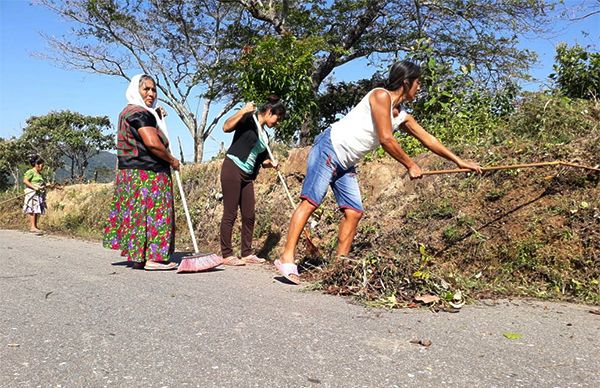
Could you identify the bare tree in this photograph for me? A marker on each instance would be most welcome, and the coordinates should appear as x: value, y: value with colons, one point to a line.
x: 582, y: 10
x: 178, y: 42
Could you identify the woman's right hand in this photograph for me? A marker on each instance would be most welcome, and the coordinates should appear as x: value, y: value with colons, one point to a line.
x: 175, y: 164
x: 470, y: 165
x: 414, y: 172
x: 249, y: 107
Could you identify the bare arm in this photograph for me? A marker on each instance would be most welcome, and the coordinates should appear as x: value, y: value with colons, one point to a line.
x: 429, y: 141
x: 231, y: 122
x: 380, y: 102
x: 152, y: 142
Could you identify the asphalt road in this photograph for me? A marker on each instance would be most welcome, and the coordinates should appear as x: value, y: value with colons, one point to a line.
x: 72, y: 314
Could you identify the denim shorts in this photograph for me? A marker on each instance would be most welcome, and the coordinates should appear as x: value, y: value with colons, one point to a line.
x: 324, y: 170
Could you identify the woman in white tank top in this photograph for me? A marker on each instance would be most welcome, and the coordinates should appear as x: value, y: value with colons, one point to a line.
x: 337, y: 150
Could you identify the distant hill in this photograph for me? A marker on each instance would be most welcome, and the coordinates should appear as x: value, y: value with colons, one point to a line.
x: 103, y: 164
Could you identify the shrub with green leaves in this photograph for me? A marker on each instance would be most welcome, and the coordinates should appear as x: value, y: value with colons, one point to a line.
x: 454, y: 105
x: 553, y: 119
x: 281, y: 65
x: 577, y: 72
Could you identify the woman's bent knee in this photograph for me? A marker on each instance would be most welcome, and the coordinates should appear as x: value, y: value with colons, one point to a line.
x: 353, y: 214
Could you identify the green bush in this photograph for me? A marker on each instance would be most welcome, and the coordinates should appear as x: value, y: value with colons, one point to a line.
x: 552, y: 119
x: 577, y: 72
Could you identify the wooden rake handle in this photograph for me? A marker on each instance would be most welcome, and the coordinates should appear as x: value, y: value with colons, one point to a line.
x: 311, y: 246
x: 511, y: 167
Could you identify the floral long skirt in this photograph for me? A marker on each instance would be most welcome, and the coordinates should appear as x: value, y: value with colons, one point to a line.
x: 141, y: 222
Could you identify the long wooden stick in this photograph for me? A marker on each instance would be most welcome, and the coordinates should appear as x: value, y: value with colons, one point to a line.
x: 51, y: 186
x: 188, y: 218
x: 312, y: 247
x: 511, y: 167
x: 13, y: 198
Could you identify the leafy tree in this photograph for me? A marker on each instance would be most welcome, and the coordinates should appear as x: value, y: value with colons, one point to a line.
x: 480, y: 33
x: 577, y: 72
x: 179, y: 42
x: 13, y: 154
x: 337, y: 99
x: 281, y: 66
x: 197, y: 42
x: 68, y: 134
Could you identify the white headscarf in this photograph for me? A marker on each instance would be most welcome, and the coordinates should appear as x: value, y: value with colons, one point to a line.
x: 134, y: 98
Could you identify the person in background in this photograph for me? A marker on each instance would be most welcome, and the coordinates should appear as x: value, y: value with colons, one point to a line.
x: 141, y: 222
x: 35, y: 193
x: 337, y: 150
x: 241, y: 165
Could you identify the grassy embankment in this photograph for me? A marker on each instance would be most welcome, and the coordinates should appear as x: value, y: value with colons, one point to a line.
x: 530, y: 232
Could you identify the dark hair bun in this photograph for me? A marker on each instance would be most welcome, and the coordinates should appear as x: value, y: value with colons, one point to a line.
x: 273, y: 99
x: 35, y: 159
x: 275, y: 105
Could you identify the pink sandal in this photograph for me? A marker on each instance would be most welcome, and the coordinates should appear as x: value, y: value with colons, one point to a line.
x: 287, y: 269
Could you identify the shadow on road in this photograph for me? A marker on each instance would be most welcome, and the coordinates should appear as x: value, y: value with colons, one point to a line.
x: 176, y: 257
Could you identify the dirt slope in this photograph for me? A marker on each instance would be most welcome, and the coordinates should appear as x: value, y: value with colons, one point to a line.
x: 530, y: 232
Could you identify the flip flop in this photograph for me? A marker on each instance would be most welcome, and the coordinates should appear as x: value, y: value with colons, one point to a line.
x: 253, y: 259
x: 138, y: 265
x: 233, y: 261
x: 287, y: 269
x: 156, y: 266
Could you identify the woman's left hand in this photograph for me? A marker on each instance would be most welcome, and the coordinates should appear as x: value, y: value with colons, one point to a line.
x: 175, y: 164
x: 270, y: 164
x: 470, y: 165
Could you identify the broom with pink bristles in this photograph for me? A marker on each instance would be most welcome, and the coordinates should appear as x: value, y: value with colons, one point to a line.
x: 196, y: 262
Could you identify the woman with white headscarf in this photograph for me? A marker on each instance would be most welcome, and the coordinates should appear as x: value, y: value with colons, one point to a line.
x: 141, y: 221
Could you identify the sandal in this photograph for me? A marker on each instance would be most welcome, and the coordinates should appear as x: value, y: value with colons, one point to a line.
x: 156, y: 266
x: 253, y: 259
x: 233, y: 261
x: 138, y: 265
x: 288, y: 270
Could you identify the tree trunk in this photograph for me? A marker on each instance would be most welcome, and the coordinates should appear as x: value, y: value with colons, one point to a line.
x: 305, y: 137
x: 72, y: 169
x: 83, y: 167
x: 199, y: 136
x: 181, y: 151
x: 15, y: 175
x: 198, y: 149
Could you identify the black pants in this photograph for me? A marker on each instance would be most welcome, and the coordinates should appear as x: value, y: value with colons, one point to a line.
x: 238, y: 191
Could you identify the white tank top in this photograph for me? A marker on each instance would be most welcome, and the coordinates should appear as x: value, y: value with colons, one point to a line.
x: 354, y: 135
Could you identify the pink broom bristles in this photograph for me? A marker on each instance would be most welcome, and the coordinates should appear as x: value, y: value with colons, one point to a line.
x: 199, y: 263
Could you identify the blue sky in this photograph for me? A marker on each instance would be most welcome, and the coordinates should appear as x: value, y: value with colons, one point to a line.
x: 31, y: 86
